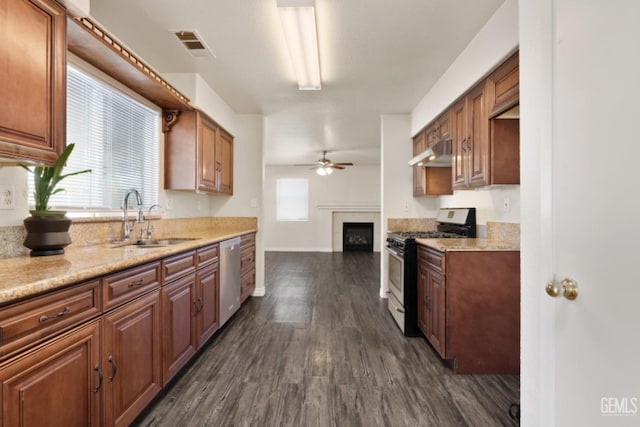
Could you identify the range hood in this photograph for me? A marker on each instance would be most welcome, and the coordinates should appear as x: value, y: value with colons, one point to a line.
x: 437, y: 156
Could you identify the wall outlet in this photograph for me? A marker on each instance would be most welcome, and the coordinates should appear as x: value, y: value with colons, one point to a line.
x: 405, y: 207
x: 506, y: 204
x: 7, y: 197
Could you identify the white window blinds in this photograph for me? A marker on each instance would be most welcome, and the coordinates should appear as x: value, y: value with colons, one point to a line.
x: 292, y: 199
x: 116, y: 137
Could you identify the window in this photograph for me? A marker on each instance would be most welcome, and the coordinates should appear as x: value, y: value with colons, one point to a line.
x: 292, y: 199
x: 116, y: 136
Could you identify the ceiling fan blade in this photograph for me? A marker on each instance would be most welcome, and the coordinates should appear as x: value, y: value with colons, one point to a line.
x: 336, y: 167
x: 343, y: 164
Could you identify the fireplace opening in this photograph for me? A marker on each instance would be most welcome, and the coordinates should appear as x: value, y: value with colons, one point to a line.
x: 357, y: 236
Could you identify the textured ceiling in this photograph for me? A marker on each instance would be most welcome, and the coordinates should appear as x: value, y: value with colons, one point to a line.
x: 377, y: 57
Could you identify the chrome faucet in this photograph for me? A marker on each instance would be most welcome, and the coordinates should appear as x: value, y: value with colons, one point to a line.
x: 149, y: 226
x: 126, y: 228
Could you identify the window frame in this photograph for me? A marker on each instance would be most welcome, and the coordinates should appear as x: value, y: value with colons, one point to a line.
x: 278, y: 201
x: 103, y: 78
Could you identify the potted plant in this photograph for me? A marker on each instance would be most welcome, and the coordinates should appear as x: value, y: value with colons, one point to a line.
x: 48, y: 230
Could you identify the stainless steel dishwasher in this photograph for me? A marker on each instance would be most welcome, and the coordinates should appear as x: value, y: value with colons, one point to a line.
x: 229, y: 278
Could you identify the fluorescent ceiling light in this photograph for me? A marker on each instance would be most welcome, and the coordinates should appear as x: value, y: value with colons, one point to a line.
x: 298, y: 19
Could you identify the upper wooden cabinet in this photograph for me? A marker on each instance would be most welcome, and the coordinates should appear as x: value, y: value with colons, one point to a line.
x: 198, y: 155
x: 33, y: 77
x: 432, y: 181
x: 485, y: 148
x: 504, y: 86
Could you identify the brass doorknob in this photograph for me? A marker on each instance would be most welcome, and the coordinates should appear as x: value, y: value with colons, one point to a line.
x: 568, y: 287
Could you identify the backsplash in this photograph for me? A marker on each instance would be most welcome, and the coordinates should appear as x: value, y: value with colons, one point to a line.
x: 92, y: 231
x: 493, y: 230
x: 411, y: 224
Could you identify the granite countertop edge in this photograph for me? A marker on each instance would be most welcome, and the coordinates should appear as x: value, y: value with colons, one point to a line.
x: 470, y: 245
x: 26, y: 276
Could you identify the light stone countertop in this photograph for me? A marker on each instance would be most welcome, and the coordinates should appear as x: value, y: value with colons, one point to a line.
x: 471, y: 245
x: 26, y: 276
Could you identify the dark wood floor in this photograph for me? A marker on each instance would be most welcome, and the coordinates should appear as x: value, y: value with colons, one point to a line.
x: 320, y: 349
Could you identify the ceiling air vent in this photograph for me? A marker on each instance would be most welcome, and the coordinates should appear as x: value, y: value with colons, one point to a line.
x: 192, y: 41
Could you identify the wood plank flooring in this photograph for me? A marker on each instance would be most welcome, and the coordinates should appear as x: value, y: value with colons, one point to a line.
x: 320, y: 349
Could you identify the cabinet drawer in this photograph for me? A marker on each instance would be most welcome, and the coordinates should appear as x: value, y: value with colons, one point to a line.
x: 247, y: 240
x: 247, y: 259
x: 178, y: 265
x: 247, y: 284
x: 435, y: 259
x: 128, y: 284
x: 208, y: 255
x: 29, y: 322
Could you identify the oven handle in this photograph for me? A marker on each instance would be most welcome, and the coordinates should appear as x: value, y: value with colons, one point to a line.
x: 394, y: 253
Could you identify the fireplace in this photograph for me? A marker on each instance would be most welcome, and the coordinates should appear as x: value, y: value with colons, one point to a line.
x: 357, y: 236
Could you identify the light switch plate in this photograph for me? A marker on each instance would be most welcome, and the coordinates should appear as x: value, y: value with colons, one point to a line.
x: 7, y: 197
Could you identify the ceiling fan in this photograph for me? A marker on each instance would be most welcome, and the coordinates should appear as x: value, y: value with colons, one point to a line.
x: 324, y: 166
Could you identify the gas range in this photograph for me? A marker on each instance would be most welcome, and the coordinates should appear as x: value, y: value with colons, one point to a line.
x: 402, y: 262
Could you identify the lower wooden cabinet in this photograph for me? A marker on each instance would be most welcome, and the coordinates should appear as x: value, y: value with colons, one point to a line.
x: 247, y: 265
x: 208, y: 303
x: 179, y: 308
x: 131, y: 359
x: 431, y: 299
x: 469, y: 308
x: 56, y: 384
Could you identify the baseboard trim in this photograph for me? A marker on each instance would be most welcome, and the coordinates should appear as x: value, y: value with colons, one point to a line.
x: 258, y: 292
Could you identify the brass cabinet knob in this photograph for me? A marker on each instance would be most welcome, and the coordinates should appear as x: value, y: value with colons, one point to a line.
x: 568, y: 287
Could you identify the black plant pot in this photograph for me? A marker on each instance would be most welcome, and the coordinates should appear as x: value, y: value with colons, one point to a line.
x: 47, y: 234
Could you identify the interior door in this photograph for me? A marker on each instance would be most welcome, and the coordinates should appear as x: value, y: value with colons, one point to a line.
x: 579, y: 91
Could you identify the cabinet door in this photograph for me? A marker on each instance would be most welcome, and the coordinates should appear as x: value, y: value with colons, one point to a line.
x: 224, y: 163
x: 459, y: 138
x: 178, y: 313
x: 131, y: 358
x: 419, y: 145
x: 436, y: 321
x: 208, y: 290
x: 57, y: 384
x: 207, y: 170
x: 33, y: 74
x: 478, y: 131
x: 423, y: 302
x: 504, y: 86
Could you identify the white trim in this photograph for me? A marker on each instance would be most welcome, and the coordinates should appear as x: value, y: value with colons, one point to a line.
x: 259, y: 292
x: 350, y: 206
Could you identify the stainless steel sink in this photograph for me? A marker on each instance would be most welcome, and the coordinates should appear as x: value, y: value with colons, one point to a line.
x: 154, y: 243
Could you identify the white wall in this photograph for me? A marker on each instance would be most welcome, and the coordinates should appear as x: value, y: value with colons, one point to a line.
x: 355, y: 185
x: 494, y: 43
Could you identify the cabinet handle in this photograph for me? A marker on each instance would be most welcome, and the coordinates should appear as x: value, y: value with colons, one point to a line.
x: 198, y: 306
x: 136, y: 284
x: 100, y: 378
x: 114, y: 368
x: 64, y: 312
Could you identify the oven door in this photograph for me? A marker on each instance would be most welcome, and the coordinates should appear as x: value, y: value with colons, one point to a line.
x: 396, y: 275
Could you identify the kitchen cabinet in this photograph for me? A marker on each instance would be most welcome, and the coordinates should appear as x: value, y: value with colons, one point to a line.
x: 198, y: 155
x: 419, y: 145
x: 431, y: 181
x: 131, y: 358
x: 224, y: 162
x: 469, y: 308
x: 56, y: 384
x: 431, y: 298
x: 178, y: 314
x: 207, y: 303
x: 247, y: 265
x: 504, y: 86
x: 33, y: 74
x: 470, y: 139
x: 106, y: 347
x: 27, y: 323
x: 189, y: 306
